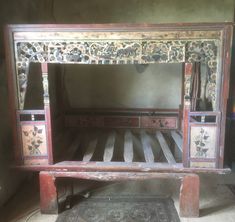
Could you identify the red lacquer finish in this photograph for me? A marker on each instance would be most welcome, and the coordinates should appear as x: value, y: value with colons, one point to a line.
x: 48, y: 193
x: 135, y: 123
x: 189, y: 196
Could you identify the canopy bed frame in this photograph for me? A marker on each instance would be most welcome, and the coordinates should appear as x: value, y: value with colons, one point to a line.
x: 196, y: 136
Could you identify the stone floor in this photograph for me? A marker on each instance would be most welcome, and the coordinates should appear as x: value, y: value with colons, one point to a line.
x: 217, y: 202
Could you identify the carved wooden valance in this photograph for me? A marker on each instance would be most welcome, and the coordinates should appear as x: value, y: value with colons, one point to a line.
x: 63, y: 45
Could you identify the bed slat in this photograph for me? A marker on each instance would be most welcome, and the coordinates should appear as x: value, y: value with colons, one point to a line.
x: 90, y: 150
x: 128, y: 147
x: 165, y: 148
x: 73, y: 147
x: 109, y: 147
x: 178, y: 139
x: 148, y: 153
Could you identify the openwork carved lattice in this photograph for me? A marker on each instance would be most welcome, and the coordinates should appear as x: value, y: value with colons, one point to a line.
x: 116, y: 52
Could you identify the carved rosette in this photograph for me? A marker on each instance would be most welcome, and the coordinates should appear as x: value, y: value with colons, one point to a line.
x: 116, y: 52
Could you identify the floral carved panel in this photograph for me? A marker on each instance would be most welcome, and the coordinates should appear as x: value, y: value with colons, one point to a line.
x: 116, y: 52
x: 203, y: 142
x: 34, y: 140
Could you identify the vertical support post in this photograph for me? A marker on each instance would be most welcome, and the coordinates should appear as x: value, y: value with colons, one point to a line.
x: 13, y: 97
x: 189, y: 196
x: 46, y: 100
x: 188, y: 69
x: 48, y: 193
x: 223, y: 98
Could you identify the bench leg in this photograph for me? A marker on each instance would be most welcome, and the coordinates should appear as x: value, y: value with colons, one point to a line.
x: 48, y: 193
x: 189, y: 196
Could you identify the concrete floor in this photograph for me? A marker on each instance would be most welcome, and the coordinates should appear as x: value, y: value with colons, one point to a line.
x: 217, y: 202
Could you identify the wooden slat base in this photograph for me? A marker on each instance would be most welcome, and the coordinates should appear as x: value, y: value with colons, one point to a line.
x: 122, y: 145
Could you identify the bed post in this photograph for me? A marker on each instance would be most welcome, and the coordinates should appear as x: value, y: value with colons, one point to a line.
x: 186, y: 109
x: 44, y: 67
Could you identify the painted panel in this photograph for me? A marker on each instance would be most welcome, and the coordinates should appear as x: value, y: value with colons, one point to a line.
x: 159, y: 122
x: 34, y: 140
x: 203, y: 142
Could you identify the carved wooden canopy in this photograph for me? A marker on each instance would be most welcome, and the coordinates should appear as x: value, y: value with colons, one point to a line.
x: 117, y: 44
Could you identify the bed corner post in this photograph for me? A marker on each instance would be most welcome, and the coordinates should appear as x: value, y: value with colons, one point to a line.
x: 188, y: 68
x: 46, y: 98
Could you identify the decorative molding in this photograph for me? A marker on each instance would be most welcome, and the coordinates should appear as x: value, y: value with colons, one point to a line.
x: 156, y: 122
x: 116, y: 52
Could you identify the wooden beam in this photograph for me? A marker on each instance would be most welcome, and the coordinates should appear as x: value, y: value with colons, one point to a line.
x: 178, y: 140
x: 148, y: 153
x: 128, y: 147
x: 109, y: 147
x: 120, y: 167
x: 117, y: 176
x: 165, y: 148
x: 90, y: 150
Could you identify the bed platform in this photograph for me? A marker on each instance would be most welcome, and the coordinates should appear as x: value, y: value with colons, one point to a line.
x: 119, y: 143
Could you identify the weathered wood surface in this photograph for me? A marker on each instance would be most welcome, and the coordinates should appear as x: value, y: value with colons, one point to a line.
x: 109, y: 147
x: 178, y: 140
x: 148, y: 153
x: 120, y: 166
x: 189, y: 196
x: 48, y: 193
x: 165, y: 148
x: 116, y: 31
x: 117, y: 176
x: 128, y: 147
x: 188, y: 69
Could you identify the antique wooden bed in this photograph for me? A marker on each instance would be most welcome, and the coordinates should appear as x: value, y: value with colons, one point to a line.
x: 191, y: 138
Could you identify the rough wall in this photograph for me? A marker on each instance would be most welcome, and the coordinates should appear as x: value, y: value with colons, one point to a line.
x: 92, y: 11
x: 122, y: 86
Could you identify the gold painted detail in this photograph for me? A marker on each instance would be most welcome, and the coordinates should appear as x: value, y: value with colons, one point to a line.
x: 116, y: 52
